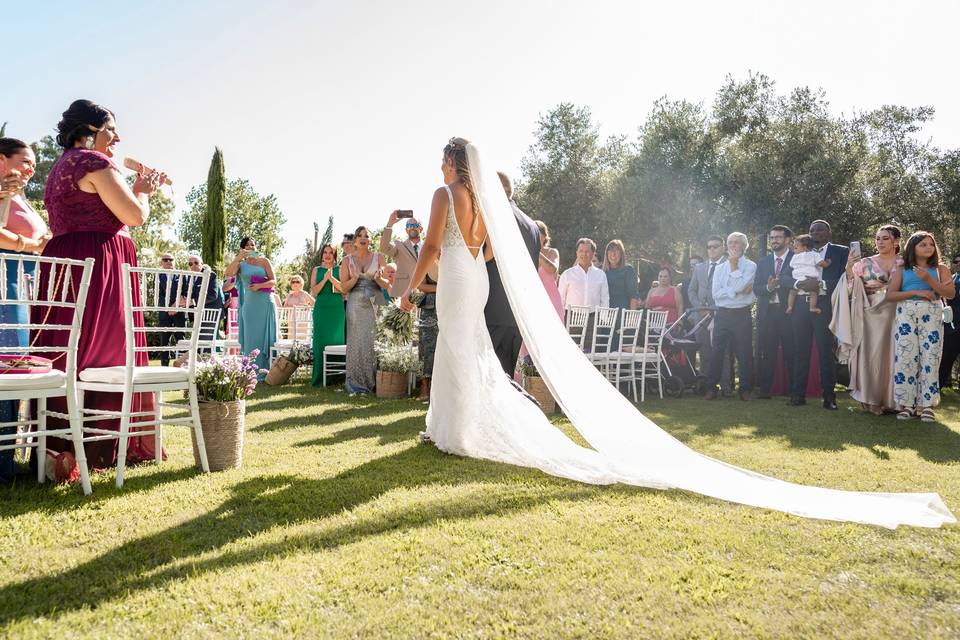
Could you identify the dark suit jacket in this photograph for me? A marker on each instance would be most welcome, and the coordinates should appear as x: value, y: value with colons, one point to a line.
x: 766, y: 267
x: 497, y: 311
x: 837, y: 254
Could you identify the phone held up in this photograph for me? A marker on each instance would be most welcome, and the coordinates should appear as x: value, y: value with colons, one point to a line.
x: 855, y: 247
x: 404, y: 213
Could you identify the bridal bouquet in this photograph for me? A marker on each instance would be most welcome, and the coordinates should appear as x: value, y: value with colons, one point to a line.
x: 395, y: 326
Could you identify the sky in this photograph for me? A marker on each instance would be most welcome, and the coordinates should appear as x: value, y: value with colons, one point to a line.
x: 343, y: 108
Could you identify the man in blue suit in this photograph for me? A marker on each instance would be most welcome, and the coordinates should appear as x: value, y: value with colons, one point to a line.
x: 774, y: 328
x: 808, y: 325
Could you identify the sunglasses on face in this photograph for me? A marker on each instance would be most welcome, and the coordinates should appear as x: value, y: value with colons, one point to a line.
x: 193, y: 264
x: 714, y: 246
x: 166, y: 259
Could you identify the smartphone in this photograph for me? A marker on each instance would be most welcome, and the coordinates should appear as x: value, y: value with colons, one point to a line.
x: 405, y: 213
x: 855, y: 247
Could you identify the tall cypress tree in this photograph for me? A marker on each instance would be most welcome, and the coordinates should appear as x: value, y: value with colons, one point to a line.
x: 215, y: 220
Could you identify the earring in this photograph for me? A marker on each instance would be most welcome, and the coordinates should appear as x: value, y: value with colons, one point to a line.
x: 89, y: 142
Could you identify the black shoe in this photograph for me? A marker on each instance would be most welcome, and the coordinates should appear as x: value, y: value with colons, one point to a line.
x: 830, y: 404
x: 745, y: 396
x: 711, y: 394
x: 762, y: 395
x: 796, y: 401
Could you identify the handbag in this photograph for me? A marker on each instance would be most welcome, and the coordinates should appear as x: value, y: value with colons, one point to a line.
x: 259, y: 280
x: 15, y: 363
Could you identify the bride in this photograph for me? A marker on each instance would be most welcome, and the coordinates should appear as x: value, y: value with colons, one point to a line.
x: 475, y: 411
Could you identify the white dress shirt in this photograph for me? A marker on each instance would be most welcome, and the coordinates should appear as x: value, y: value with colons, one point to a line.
x: 728, y: 285
x: 584, y: 288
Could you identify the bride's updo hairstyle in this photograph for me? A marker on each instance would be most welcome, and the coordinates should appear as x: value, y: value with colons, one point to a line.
x: 80, y: 121
x: 456, y: 153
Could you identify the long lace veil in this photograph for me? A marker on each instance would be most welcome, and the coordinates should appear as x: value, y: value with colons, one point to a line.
x: 637, y: 450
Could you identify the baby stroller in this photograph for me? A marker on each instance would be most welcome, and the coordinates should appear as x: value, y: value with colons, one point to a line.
x: 679, y: 352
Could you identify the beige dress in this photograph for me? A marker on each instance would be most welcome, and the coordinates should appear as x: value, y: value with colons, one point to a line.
x: 871, y: 358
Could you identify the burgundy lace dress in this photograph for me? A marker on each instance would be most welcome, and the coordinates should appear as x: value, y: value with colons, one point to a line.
x: 84, y: 227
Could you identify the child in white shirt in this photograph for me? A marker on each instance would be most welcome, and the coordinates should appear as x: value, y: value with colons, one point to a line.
x: 806, y: 263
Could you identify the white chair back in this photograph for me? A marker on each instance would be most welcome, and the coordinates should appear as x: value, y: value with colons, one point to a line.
x: 300, y: 322
x: 144, y: 280
x: 605, y: 323
x: 630, y: 323
x: 47, y: 284
x: 578, y: 317
x: 656, y: 324
x: 283, y: 323
x: 233, y: 324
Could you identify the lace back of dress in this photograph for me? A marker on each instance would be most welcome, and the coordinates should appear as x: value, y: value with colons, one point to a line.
x: 451, y: 235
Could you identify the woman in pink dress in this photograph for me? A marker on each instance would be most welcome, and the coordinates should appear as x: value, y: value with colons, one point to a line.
x: 91, y: 208
x: 665, y: 297
x: 548, y: 269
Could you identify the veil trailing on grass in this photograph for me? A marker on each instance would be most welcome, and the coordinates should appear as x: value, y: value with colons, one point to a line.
x: 637, y: 451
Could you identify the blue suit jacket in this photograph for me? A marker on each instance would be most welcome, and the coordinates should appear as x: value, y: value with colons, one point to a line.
x: 766, y: 267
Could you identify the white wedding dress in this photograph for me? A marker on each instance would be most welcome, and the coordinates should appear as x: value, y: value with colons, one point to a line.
x: 475, y: 411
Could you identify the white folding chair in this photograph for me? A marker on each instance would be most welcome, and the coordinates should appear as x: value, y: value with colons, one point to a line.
x: 601, y: 340
x: 129, y: 379
x: 283, y: 333
x: 209, y: 334
x: 333, y: 366
x: 232, y: 342
x: 621, y: 360
x: 297, y: 328
x: 650, y: 358
x: 67, y: 293
x: 577, y: 321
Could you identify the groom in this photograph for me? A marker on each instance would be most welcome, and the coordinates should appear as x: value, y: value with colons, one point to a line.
x: 500, y: 321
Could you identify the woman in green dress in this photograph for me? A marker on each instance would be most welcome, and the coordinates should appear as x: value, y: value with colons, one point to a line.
x: 328, y: 313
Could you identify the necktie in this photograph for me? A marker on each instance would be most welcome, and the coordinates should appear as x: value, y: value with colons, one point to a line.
x: 713, y: 267
x: 776, y: 270
x: 416, y: 251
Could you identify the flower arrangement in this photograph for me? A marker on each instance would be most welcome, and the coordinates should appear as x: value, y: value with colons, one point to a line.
x: 397, y: 358
x: 300, y: 353
x: 227, y: 378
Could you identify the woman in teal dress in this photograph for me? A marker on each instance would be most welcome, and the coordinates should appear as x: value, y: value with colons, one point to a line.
x: 328, y: 313
x: 258, y: 313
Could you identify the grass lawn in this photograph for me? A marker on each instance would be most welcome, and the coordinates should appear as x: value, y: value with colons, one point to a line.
x: 340, y: 525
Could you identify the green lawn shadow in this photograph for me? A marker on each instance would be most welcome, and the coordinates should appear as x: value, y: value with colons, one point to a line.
x: 260, y: 504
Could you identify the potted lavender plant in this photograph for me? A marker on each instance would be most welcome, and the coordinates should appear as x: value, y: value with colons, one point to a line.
x: 223, y: 383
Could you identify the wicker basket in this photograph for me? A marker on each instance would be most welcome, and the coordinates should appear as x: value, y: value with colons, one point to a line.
x: 222, y: 424
x: 535, y: 386
x: 391, y: 384
x: 281, y: 371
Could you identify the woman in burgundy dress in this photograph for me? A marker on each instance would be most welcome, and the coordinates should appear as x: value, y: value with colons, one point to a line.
x: 90, y: 209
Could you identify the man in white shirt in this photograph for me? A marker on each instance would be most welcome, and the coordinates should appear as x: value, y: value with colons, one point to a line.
x: 583, y: 284
x: 733, y: 296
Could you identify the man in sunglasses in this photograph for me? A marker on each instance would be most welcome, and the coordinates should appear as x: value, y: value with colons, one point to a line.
x: 213, y: 299
x: 169, y: 291
x: 403, y: 252
x: 951, y: 333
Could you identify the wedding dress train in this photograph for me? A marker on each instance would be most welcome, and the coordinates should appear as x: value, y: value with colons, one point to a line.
x: 476, y: 412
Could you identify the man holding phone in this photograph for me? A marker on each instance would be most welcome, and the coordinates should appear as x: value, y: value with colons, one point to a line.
x: 404, y: 253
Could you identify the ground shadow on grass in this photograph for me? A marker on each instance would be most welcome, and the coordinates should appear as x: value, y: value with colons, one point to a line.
x: 260, y: 504
x: 811, y: 427
x: 27, y: 496
x: 386, y: 433
x: 320, y: 417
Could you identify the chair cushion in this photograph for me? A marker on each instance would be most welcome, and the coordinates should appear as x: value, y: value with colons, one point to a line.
x: 336, y: 350
x: 141, y: 375
x: 49, y: 380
